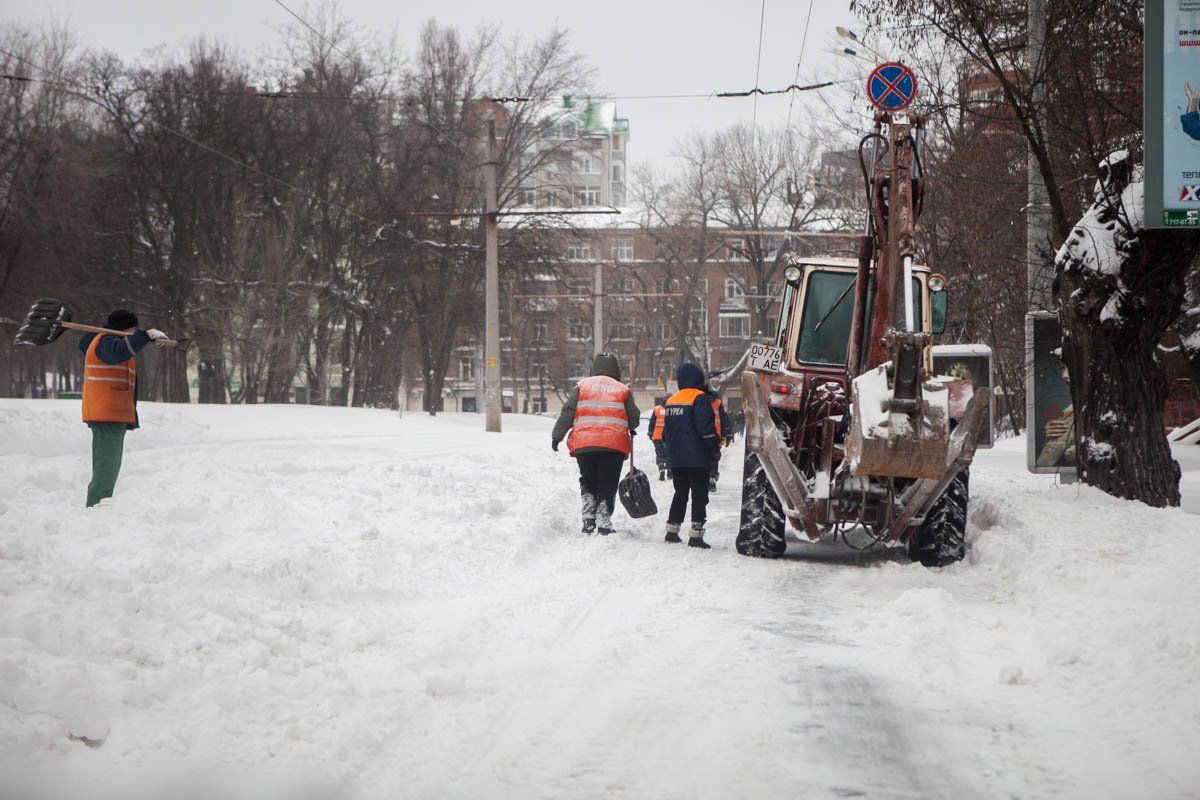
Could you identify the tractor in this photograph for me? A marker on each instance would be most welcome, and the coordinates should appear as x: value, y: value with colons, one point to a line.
x: 847, y: 426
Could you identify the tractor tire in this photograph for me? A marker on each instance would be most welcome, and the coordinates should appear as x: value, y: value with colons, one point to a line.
x: 760, y: 534
x: 941, y: 539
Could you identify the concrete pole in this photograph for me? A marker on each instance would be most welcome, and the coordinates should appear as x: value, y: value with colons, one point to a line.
x: 492, y: 314
x: 1037, y: 208
x: 598, y: 310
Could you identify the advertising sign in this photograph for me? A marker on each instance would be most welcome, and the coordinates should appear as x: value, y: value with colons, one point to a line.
x: 1172, y: 91
x: 1049, y: 412
x: 972, y: 362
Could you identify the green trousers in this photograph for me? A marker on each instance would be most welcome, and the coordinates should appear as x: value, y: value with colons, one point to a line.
x: 108, y: 443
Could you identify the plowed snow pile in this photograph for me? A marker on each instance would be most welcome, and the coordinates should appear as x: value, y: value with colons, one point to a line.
x: 297, y: 602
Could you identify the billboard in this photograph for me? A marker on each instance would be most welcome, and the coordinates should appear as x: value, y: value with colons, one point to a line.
x: 971, y: 362
x: 1172, y: 93
x: 1049, y: 410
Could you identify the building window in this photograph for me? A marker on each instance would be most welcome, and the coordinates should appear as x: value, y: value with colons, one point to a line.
x: 539, y: 371
x: 616, y: 143
x: 528, y: 197
x: 736, y: 250
x: 735, y: 326
x: 569, y: 129
x: 621, y: 331
x: 578, y: 368
x: 628, y: 284
x: 622, y: 249
x: 734, y: 289
x: 539, y: 330
x: 775, y: 289
x: 466, y: 369
x: 580, y: 252
x: 585, y: 164
x: 618, y: 173
x: 582, y: 288
x: 537, y: 405
x: 586, y: 195
x: 665, y: 333
x: 577, y: 329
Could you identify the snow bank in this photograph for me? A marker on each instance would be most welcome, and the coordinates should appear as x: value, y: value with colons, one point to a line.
x: 1074, y: 619
x: 299, y: 602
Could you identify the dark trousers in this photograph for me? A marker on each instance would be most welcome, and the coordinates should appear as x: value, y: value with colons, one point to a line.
x: 660, y: 453
x: 694, y: 480
x: 599, y: 474
x: 714, y: 464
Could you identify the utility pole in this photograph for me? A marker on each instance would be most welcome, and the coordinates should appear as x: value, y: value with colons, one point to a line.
x: 1037, y: 222
x: 493, y: 389
x: 598, y: 310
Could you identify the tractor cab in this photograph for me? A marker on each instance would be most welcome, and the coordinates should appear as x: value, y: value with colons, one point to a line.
x: 818, y: 312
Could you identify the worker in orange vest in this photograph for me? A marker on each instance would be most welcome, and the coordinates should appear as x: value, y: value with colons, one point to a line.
x: 724, y: 435
x: 110, y: 395
x: 657, y: 423
x: 692, y: 434
x: 601, y: 416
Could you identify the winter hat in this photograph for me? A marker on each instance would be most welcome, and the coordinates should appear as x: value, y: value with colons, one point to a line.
x: 121, y: 319
x: 689, y: 376
x: 607, y: 364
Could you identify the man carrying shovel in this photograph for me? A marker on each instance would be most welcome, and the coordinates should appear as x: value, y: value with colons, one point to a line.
x: 110, y: 395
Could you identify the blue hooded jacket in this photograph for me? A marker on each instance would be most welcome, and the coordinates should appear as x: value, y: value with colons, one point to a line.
x: 689, y: 428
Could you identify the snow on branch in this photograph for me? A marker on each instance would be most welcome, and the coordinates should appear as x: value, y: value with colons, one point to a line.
x: 1107, y: 236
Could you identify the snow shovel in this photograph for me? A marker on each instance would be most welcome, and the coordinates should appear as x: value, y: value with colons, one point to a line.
x: 49, y: 318
x: 634, y: 491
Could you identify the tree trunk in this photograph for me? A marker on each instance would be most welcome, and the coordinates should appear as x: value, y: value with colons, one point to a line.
x: 1112, y: 324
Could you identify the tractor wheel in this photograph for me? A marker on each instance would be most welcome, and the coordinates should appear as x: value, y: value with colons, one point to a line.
x: 941, y: 539
x: 761, y: 531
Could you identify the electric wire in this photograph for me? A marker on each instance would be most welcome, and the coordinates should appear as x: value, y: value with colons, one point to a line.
x: 322, y: 36
x: 799, y: 61
x: 194, y: 142
x: 762, y: 17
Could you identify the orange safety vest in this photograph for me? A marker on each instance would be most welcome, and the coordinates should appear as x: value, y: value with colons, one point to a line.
x: 685, y: 397
x: 600, y: 419
x: 108, y: 389
x: 660, y: 422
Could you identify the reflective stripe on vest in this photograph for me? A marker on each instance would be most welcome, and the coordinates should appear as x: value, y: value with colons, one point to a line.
x: 600, y: 419
x: 108, y: 389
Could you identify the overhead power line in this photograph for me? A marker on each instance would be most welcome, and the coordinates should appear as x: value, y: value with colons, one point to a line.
x: 322, y: 36
x: 762, y: 17
x: 194, y: 142
x: 800, y: 60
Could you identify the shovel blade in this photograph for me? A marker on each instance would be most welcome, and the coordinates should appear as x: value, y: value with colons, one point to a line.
x: 43, y: 323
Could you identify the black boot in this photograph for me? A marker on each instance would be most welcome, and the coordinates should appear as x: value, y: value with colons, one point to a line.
x: 662, y: 474
x: 673, y: 533
x: 712, y: 484
x: 589, y: 526
x: 697, y: 539
x: 603, y: 531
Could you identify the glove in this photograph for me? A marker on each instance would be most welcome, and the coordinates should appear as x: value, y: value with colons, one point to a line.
x: 155, y: 334
x: 554, y: 445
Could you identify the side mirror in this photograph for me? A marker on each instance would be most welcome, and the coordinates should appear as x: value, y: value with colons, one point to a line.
x: 937, y: 307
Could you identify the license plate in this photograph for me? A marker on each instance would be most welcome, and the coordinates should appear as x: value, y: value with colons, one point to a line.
x: 766, y: 358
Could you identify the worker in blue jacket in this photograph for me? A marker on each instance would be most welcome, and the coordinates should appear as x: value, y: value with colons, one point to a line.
x: 690, y: 434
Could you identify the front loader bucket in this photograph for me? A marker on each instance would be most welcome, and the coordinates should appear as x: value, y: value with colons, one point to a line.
x: 887, y: 442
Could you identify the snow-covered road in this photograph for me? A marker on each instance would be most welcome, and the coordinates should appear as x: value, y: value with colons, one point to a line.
x: 287, y: 600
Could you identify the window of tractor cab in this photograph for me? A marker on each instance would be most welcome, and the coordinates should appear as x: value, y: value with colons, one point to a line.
x: 825, y: 318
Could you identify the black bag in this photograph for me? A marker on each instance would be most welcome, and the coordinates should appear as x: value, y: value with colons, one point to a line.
x: 634, y: 491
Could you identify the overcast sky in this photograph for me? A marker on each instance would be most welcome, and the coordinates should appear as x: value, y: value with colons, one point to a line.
x: 637, y: 46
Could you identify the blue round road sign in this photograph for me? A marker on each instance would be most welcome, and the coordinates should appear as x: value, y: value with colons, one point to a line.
x: 891, y: 86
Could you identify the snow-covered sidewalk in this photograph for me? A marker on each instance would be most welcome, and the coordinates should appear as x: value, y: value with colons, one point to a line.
x: 287, y: 600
